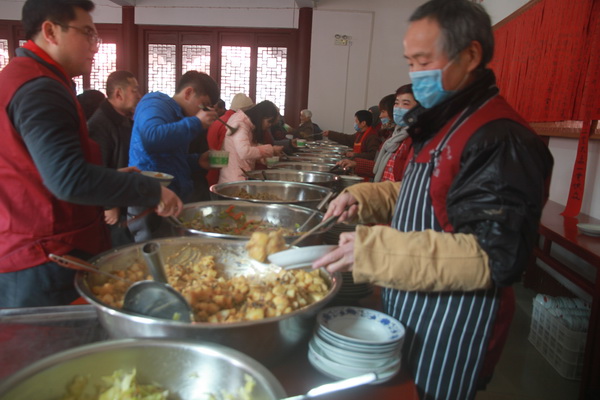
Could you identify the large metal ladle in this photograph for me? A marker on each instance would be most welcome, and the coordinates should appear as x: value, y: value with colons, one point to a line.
x: 156, y: 298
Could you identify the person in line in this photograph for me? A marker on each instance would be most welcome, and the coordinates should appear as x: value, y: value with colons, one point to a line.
x: 391, y: 157
x: 220, y: 107
x: 306, y: 129
x: 218, y: 130
x: 53, y: 184
x: 202, y: 177
x: 364, y: 142
x: 90, y: 100
x: 110, y: 127
x: 162, y: 132
x: 465, y: 218
x: 246, y: 146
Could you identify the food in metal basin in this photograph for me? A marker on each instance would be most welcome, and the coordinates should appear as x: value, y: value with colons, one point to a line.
x: 236, y: 223
x: 120, y: 385
x: 243, y: 194
x: 216, y: 298
x: 262, y: 244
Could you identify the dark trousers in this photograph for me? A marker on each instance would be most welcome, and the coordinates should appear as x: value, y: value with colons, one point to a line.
x: 44, y: 285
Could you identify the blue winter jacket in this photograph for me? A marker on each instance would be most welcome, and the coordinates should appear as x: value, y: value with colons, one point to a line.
x: 160, y: 141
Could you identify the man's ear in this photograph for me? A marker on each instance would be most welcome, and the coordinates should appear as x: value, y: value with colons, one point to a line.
x: 49, y: 32
x: 119, y: 93
x: 188, y: 93
x: 473, y: 53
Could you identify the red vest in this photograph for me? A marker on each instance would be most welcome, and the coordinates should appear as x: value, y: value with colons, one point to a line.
x: 33, y: 222
x: 449, y: 161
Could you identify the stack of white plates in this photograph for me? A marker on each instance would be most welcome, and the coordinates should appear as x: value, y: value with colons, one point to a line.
x: 352, y: 341
x: 351, y: 291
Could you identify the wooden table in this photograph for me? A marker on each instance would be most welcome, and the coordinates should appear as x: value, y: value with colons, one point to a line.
x: 555, y: 228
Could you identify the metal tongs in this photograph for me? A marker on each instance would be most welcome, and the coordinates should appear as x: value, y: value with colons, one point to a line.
x: 327, y: 222
x: 319, y: 207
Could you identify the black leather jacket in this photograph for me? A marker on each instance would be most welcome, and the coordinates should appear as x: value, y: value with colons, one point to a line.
x: 488, y: 180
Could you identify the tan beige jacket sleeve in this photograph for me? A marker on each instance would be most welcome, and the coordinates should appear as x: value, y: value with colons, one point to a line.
x: 419, y: 261
x: 376, y: 201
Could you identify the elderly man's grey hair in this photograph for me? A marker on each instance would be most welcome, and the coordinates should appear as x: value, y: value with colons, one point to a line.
x: 306, y: 113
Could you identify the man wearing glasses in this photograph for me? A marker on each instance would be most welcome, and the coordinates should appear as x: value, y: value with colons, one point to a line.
x: 53, y: 185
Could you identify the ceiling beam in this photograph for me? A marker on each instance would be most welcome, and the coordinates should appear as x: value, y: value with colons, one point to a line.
x: 306, y: 3
x: 124, y: 2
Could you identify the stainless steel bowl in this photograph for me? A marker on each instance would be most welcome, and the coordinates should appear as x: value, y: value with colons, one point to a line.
x: 349, y: 180
x: 313, y: 158
x: 302, y: 194
x: 188, y: 370
x: 321, y: 153
x: 282, y: 215
x: 266, y: 340
x: 293, y: 175
x: 304, y: 166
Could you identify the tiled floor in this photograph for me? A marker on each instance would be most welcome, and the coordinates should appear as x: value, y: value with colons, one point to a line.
x: 523, y: 373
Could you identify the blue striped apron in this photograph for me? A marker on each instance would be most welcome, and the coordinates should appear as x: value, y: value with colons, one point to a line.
x: 446, y: 332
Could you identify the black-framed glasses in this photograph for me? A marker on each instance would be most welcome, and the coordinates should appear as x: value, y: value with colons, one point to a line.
x: 91, y: 34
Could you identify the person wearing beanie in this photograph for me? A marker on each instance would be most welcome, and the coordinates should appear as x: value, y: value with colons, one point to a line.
x: 216, y: 132
x: 241, y: 102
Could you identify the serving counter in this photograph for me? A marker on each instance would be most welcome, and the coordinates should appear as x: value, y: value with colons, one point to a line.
x: 30, y: 334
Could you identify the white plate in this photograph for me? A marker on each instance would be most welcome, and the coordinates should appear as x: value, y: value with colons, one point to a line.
x: 383, y: 375
x: 361, y: 325
x: 300, y: 257
x: 345, y: 355
x: 589, y: 229
x: 356, y: 346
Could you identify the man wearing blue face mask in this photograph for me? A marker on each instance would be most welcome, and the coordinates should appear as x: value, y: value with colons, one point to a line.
x: 465, y: 219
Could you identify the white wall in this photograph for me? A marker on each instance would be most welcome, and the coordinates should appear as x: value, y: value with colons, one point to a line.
x: 343, y: 79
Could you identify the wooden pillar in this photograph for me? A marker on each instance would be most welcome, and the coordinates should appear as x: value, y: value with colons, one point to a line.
x: 305, y: 18
x: 128, y: 56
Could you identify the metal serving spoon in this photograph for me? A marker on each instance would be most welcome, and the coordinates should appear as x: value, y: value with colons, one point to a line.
x: 156, y: 298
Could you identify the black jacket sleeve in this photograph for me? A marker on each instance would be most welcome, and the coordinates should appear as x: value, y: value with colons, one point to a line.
x: 45, y: 115
x: 499, y: 193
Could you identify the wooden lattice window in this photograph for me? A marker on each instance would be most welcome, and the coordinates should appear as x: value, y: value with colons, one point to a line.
x: 161, y: 68
x: 3, y: 53
x: 271, y: 75
x: 235, y: 71
x: 195, y: 57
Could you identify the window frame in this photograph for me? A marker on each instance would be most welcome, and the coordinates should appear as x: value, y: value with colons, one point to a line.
x: 217, y: 37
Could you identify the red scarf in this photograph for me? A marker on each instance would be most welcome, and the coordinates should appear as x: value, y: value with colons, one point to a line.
x: 360, y: 139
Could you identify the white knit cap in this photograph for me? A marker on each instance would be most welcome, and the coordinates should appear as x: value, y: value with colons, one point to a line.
x: 241, y: 102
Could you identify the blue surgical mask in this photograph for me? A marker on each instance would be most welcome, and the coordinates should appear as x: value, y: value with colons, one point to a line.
x: 385, y: 121
x: 356, y: 128
x: 427, y: 87
x: 399, y: 114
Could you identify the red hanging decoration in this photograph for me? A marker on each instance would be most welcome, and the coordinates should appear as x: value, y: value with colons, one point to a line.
x: 576, y: 191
